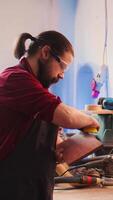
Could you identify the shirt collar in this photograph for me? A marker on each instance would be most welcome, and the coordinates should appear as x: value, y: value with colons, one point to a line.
x: 24, y: 63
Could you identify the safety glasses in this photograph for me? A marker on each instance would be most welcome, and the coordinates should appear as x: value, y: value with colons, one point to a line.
x: 63, y: 64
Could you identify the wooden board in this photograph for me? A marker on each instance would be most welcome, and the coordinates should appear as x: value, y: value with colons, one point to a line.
x: 79, y: 146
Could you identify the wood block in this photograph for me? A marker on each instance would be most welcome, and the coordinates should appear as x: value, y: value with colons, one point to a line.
x: 79, y: 146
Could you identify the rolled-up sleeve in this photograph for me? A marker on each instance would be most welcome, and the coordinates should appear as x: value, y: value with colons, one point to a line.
x: 25, y: 94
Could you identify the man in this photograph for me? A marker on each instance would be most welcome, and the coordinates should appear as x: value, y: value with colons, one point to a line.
x: 30, y: 116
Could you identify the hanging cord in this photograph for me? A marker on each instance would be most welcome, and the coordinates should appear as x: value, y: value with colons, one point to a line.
x: 106, y: 35
x: 102, y: 76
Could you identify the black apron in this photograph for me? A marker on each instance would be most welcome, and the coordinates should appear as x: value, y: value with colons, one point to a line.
x: 28, y: 174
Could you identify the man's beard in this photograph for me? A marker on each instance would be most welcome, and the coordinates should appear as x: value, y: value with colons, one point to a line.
x: 43, y: 75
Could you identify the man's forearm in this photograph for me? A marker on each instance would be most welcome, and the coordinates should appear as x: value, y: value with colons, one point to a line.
x: 69, y: 117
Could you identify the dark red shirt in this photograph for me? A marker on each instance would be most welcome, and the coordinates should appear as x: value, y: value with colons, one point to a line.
x: 22, y: 98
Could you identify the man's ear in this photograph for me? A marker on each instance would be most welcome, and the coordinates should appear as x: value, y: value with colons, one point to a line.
x: 45, y: 51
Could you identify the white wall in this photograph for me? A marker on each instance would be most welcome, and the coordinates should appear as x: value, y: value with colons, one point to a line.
x: 90, y: 35
x: 17, y: 16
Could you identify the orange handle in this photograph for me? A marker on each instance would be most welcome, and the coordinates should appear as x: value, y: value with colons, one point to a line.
x: 90, y: 130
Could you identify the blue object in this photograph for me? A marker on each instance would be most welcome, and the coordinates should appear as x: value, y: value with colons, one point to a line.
x: 108, y: 103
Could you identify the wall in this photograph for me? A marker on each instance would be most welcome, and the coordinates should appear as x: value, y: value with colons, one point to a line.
x: 66, y: 12
x: 31, y: 16
x: 89, y: 42
x: 83, y: 23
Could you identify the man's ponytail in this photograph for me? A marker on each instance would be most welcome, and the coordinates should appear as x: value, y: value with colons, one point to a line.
x: 20, y: 49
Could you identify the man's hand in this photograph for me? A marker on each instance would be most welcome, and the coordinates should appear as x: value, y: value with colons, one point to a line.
x: 59, y: 154
x: 59, y: 150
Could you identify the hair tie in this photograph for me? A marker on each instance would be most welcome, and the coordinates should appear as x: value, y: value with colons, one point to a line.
x: 34, y: 39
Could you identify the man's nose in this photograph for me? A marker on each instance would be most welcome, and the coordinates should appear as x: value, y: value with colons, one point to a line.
x: 61, y: 75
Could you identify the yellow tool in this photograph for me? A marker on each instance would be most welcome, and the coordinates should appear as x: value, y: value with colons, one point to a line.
x: 90, y: 130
